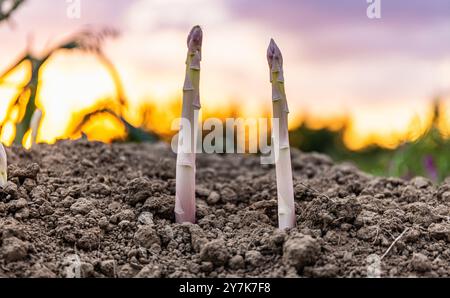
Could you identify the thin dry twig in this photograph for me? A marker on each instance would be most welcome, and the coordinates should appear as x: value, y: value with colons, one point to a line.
x: 393, y: 243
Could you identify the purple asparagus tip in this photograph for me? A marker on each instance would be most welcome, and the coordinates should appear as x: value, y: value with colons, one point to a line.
x: 273, y: 53
x: 195, y: 38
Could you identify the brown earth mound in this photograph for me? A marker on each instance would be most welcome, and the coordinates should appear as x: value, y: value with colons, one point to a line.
x: 96, y: 210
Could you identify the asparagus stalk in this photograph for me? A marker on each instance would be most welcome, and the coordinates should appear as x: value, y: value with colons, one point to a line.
x: 3, y: 166
x: 34, y: 125
x: 280, y: 139
x: 185, y: 172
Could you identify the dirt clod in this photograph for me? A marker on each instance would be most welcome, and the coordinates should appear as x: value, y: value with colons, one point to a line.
x: 301, y: 251
x: 236, y: 262
x: 108, y: 268
x: 146, y: 236
x: 254, y: 258
x: 420, y: 262
x: 14, y: 249
x: 215, y: 252
x: 82, y: 206
x: 440, y: 231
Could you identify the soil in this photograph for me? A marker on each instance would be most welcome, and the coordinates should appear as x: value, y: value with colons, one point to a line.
x: 88, y: 209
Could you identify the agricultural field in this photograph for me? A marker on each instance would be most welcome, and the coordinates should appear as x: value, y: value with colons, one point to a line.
x: 112, y: 206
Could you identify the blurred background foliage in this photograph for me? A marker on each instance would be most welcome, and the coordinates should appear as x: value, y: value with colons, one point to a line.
x: 428, y: 156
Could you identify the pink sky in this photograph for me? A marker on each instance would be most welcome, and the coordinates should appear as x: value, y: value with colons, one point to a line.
x: 382, y: 71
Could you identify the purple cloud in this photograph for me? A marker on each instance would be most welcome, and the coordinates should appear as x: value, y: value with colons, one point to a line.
x: 325, y: 13
x: 328, y: 29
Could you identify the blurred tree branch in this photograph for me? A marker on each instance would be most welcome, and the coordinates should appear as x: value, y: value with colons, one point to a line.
x: 87, y: 40
x: 134, y: 134
x: 8, y: 7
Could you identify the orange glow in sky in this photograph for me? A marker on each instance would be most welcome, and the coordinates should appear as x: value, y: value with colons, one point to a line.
x: 382, y: 93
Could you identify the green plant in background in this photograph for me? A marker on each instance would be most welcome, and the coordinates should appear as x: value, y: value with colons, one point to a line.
x: 318, y: 140
x: 427, y: 156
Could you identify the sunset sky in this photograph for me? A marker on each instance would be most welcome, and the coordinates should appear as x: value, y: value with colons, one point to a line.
x: 383, y: 73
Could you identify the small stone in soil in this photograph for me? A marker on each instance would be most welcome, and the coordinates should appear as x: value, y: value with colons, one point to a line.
x: 213, y: 198
x: 146, y: 218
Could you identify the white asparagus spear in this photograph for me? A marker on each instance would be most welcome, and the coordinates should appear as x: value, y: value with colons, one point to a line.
x: 3, y: 166
x: 185, y: 173
x: 280, y: 140
x: 34, y: 125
